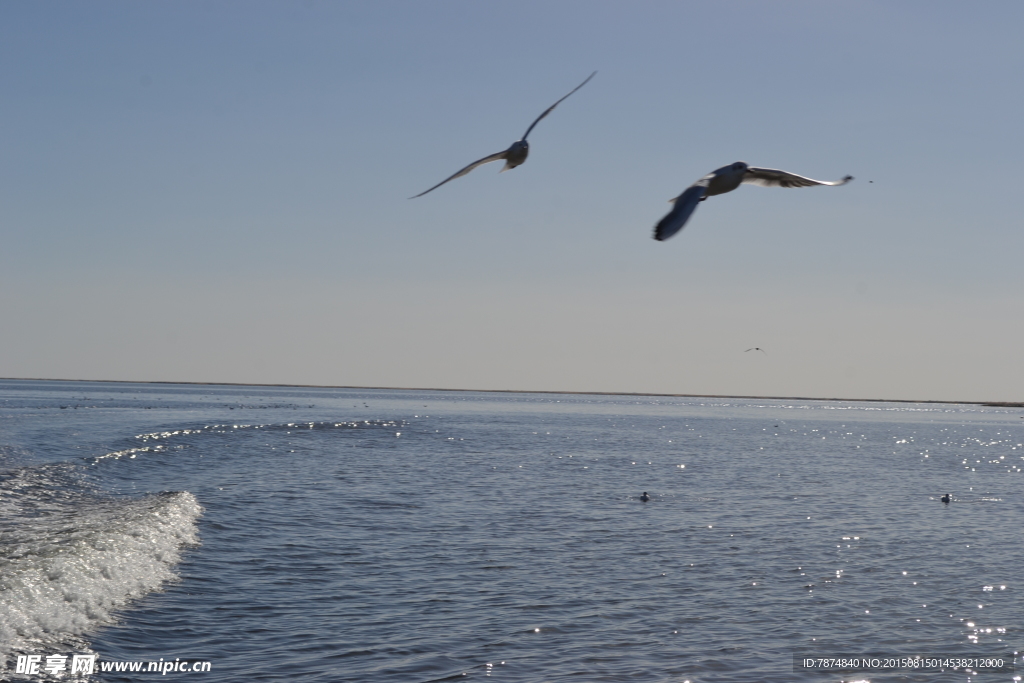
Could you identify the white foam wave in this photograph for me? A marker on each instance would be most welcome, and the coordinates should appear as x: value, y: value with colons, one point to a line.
x: 66, y: 571
x: 131, y: 452
x: 227, y: 428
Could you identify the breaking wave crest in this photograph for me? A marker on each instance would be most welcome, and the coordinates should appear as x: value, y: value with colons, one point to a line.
x: 159, y: 442
x: 70, y: 558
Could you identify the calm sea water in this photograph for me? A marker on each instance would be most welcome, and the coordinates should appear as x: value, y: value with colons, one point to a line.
x: 355, y: 535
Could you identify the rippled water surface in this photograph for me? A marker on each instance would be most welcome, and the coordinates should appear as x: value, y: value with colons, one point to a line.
x: 379, y: 535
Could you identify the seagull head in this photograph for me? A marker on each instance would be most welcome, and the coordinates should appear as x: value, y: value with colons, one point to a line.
x: 516, y: 154
x: 740, y: 166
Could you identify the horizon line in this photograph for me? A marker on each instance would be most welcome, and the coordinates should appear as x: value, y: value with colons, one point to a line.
x: 994, y: 404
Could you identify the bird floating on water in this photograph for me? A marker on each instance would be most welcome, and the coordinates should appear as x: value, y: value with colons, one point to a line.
x: 727, y: 179
x: 515, y: 155
x: 945, y: 499
x: 645, y: 497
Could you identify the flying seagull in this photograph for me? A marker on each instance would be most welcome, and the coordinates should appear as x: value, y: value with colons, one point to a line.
x: 727, y: 179
x: 757, y: 348
x: 515, y: 155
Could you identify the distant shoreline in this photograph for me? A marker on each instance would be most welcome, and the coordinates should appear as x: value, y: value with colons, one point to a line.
x: 993, y: 404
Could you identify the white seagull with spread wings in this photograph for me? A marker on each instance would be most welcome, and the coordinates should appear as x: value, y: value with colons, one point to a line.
x: 727, y: 179
x: 515, y: 155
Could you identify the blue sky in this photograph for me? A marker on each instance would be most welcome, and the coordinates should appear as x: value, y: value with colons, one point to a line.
x: 217, y: 191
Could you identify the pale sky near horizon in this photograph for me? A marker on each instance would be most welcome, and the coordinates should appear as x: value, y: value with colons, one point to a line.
x: 218, y: 191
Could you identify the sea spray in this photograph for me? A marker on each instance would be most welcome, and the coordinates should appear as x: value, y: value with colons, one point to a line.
x: 71, y: 559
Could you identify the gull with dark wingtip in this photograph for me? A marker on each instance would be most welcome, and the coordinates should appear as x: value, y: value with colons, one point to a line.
x: 727, y: 179
x: 515, y: 155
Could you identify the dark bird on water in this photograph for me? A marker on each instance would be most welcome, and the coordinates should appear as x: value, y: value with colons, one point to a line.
x: 645, y: 497
x: 515, y: 155
x: 945, y: 499
x: 727, y: 179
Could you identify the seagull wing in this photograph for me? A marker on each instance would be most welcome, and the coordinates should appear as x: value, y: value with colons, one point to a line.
x: 680, y: 213
x: 551, y: 108
x: 479, y: 162
x: 770, y: 177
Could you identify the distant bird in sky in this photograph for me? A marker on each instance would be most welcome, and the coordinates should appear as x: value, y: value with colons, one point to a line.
x: 514, y: 155
x: 727, y: 179
x: 757, y: 348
